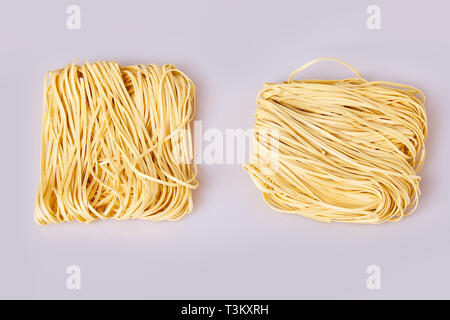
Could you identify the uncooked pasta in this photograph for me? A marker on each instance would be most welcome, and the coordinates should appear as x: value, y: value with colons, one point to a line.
x: 116, y: 143
x: 347, y: 150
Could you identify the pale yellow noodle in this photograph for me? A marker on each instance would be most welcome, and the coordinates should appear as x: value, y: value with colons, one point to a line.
x: 348, y: 150
x: 116, y: 143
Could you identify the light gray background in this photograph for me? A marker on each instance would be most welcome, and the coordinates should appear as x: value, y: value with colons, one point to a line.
x: 232, y: 245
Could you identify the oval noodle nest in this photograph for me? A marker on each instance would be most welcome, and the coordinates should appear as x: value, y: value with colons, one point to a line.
x: 108, y: 136
x: 347, y: 151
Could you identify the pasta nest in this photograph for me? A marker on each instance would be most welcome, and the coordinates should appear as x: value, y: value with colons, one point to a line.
x: 116, y: 144
x: 339, y: 150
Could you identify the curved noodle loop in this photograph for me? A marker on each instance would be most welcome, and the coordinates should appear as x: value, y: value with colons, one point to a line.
x: 348, y: 150
x: 116, y: 144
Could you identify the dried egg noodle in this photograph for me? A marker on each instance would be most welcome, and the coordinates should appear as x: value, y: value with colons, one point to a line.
x: 108, y: 135
x: 348, y: 150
